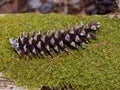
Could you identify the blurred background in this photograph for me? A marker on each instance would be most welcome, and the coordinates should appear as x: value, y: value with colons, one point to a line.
x: 60, y: 6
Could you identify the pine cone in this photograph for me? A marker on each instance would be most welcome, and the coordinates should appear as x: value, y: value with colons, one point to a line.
x: 40, y: 45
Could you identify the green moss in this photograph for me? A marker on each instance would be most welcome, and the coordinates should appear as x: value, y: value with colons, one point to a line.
x: 95, y: 68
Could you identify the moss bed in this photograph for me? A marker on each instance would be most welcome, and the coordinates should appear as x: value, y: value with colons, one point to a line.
x: 95, y: 68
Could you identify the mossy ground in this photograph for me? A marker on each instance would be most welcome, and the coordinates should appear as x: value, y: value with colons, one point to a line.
x: 95, y: 68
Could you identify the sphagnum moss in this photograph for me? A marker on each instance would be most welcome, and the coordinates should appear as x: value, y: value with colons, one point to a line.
x: 96, y: 67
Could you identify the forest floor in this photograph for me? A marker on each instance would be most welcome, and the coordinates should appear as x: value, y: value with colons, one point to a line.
x: 95, y: 68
